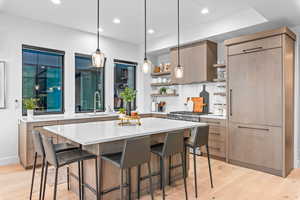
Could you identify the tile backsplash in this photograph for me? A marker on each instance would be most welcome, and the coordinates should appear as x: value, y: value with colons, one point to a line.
x: 178, y: 103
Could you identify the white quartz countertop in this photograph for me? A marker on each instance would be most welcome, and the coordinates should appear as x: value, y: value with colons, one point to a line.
x: 108, y: 131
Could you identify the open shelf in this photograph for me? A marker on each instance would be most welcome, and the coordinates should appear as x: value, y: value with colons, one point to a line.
x: 164, y: 95
x: 219, y: 80
x: 161, y: 74
x: 220, y: 93
x: 219, y: 65
x: 161, y: 84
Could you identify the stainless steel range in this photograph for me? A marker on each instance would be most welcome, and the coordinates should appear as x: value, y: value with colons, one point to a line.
x: 185, y: 116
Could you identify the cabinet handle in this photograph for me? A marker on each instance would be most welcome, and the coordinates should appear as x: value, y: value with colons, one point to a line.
x: 213, y: 122
x: 252, y: 49
x: 214, y: 133
x: 230, y: 101
x: 215, y: 148
x: 261, y: 129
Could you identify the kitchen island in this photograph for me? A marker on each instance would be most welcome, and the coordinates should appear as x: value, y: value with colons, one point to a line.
x: 108, y: 137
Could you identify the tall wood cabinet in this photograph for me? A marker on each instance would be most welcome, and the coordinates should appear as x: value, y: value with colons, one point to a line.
x: 260, y: 83
x: 197, y: 60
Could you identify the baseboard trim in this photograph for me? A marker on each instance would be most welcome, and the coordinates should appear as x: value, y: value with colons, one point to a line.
x: 9, y: 160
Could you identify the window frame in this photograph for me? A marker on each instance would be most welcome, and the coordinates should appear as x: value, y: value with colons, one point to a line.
x: 90, y: 56
x: 135, y: 64
x: 47, y: 50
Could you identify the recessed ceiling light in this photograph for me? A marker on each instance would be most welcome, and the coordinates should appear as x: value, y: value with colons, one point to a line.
x: 205, y: 11
x: 56, y: 2
x: 100, y: 30
x: 151, y: 31
x: 116, y: 21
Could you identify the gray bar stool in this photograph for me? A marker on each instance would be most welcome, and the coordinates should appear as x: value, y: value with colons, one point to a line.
x: 136, y: 152
x: 39, y: 151
x: 198, y: 139
x: 173, y: 144
x: 65, y: 158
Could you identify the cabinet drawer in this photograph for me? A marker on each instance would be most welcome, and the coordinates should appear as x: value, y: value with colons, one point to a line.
x: 213, y: 122
x: 217, y: 133
x: 257, y: 45
x: 216, y: 148
x: 256, y: 145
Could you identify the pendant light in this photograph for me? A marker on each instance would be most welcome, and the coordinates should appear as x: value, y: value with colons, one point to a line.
x: 147, y: 63
x: 98, y: 57
x: 179, y: 69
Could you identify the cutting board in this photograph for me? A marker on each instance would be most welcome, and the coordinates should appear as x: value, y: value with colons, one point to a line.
x: 198, y: 104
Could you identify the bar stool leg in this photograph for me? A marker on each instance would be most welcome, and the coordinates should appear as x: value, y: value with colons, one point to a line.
x: 82, y: 181
x: 160, y: 172
x: 97, y: 179
x: 139, y: 182
x: 68, y: 177
x: 150, y: 180
x: 185, y: 155
x: 170, y: 166
x: 209, y: 167
x: 79, y: 181
x: 184, y: 174
x: 55, y: 183
x: 42, y: 177
x: 129, y: 183
x: 45, y: 180
x: 121, y: 185
x: 33, y: 174
x: 195, y: 172
x: 163, y: 177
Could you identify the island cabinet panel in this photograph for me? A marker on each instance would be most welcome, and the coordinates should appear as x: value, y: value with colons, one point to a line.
x: 260, y: 85
x: 197, y: 60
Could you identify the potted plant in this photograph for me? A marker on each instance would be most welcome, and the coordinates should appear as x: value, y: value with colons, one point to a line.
x: 163, y: 90
x: 128, y: 96
x: 30, y: 104
x: 122, y: 112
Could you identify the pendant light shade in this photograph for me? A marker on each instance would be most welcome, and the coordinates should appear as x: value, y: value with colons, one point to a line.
x: 146, y: 66
x: 98, y: 57
x: 179, y: 70
x: 147, y: 63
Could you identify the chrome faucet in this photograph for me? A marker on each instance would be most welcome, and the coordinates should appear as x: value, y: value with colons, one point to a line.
x: 97, y: 101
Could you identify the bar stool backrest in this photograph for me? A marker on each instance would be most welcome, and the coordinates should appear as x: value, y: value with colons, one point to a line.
x: 37, y: 143
x: 136, y: 152
x: 173, y: 144
x: 49, y: 151
x: 200, y: 137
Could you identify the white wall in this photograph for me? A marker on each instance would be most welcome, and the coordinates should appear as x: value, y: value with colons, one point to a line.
x: 14, y: 32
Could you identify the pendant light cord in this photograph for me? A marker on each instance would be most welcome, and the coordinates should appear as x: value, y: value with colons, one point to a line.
x: 98, y: 23
x: 178, y: 33
x: 145, y: 7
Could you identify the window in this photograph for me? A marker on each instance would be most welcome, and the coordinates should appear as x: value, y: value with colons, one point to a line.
x: 125, y: 76
x: 42, y: 78
x: 89, y: 85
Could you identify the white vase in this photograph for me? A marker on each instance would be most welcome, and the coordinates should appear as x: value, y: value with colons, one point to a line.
x: 30, y: 114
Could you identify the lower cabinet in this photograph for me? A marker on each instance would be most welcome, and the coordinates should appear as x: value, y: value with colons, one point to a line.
x: 216, y: 138
x: 256, y: 146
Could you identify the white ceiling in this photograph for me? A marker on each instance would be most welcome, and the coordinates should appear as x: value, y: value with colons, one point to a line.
x: 81, y: 14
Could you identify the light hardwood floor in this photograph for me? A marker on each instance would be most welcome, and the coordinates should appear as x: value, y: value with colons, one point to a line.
x: 231, y: 183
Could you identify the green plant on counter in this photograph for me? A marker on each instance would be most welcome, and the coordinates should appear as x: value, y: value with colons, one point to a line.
x: 128, y: 95
x: 30, y: 103
x: 163, y: 90
x: 122, y: 110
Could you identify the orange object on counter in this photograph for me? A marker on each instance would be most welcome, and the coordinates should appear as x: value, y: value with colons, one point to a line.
x: 198, y: 104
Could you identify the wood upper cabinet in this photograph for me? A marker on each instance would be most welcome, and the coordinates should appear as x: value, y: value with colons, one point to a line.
x: 255, y: 86
x: 197, y: 60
